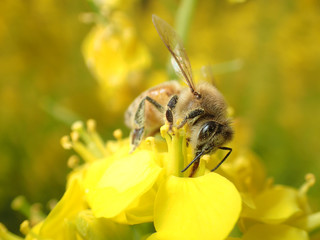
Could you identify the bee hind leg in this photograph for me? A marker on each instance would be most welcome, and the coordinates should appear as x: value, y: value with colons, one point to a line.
x: 139, y: 120
x: 136, y: 137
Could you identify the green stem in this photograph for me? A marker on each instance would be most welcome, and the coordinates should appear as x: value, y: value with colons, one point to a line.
x: 182, y: 25
x: 184, y: 17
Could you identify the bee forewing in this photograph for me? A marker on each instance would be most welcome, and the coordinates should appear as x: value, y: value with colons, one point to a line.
x: 177, y: 70
x: 173, y: 42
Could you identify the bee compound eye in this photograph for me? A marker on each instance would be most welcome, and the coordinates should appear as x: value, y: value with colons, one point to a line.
x: 207, y: 130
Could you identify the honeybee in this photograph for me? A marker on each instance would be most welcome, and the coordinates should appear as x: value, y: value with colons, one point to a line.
x: 202, y: 107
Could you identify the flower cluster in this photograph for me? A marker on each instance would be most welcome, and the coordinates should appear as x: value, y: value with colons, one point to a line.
x: 116, y: 195
x: 117, y: 55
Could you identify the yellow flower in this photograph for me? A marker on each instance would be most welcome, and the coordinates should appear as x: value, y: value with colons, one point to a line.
x: 114, y: 193
x: 147, y: 186
x: 280, y: 212
x: 117, y: 58
x: 71, y: 219
x: 283, y: 210
x: 274, y: 205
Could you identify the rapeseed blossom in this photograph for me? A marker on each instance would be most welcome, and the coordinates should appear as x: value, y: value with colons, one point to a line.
x: 145, y: 187
x: 116, y: 195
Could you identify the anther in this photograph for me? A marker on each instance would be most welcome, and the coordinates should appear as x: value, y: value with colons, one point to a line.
x: 91, y: 125
x: 73, y: 161
x: 310, y: 181
x: 25, y: 227
x: 65, y: 142
x: 74, y: 136
x: 77, y: 126
x: 117, y: 134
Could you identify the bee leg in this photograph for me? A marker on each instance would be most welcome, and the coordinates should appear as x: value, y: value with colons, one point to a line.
x: 158, y: 106
x: 136, y: 137
x: 169, y: 112
x: 225, y: 157
x: 139, y: 120
x: 192, y: 115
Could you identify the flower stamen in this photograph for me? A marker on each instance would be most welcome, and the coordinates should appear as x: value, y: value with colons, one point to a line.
x: 117, y: 134
x: 25, y: 227
x: 95, y: 137
x: 66, y: 142
x: 310, y: 181
x: 73, y: 161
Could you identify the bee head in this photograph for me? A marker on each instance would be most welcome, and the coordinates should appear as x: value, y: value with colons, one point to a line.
x: 212, y: 135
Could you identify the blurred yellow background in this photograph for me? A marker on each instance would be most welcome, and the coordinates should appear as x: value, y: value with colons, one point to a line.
x: 265, y: 56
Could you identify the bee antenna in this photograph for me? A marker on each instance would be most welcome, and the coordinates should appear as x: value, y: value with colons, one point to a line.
x: 194, y: 160
x: 196, y: 94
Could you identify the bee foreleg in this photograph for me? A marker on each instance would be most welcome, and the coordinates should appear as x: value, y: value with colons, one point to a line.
x: 225, y: 157
x: 139, y: 120
x: 170, y: 107
x: 192, y: 115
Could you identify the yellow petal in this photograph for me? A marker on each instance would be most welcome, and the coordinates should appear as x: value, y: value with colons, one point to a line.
x: 274, y: 205
x: 6, y: 235
x: 123, y: 182
x: 139, y: 211
x: 206, y: 207
x: 156, y: 236
x: 56, y: 225
x: 90, y: 227
x: 142, y: 210
x: 275, y: 232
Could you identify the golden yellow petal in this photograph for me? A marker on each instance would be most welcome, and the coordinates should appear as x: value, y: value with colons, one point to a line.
x: 56, y: 225
x: 205, y: 207
x: 124, y: 181
x: 274, y: 205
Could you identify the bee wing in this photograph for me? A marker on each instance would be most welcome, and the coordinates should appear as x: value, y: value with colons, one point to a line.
x: 173, y: 42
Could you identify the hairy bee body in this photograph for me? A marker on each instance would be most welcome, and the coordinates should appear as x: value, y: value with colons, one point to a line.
x: 154, y: 119
x: 211, y: 101
x: 200, y: 106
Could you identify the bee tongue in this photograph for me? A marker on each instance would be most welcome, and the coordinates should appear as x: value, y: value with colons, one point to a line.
x: 193, y: 161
